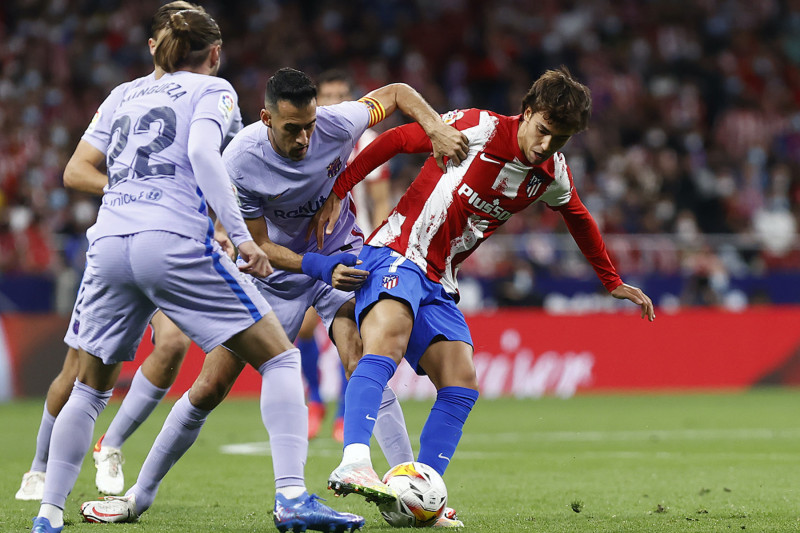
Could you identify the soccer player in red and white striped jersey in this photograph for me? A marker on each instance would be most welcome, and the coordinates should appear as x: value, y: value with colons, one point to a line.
x: 407, y: 306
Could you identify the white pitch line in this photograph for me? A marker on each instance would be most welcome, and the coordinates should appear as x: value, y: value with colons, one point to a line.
x: 326, y: 448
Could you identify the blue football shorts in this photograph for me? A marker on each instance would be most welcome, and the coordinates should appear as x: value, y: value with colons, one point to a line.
x: 435, y: 312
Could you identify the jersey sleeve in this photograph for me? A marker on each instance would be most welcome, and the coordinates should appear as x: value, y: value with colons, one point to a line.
x: 249, y: 202
x: 98, y: 134
x: 408, y: 139
x: 381, y: 173
x: 235, y: 127
x: 584, y: 230
x: 350, y: 119
x: 218, y: 102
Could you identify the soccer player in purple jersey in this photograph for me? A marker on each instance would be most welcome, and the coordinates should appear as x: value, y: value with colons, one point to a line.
x: 282, y: 168
x: 152, y: 247
x: 158, y: 372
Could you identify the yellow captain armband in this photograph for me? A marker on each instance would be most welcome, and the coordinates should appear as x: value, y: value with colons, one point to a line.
x: 376, y: 110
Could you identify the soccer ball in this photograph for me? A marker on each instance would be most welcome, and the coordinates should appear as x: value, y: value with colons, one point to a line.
x: 421, y: 495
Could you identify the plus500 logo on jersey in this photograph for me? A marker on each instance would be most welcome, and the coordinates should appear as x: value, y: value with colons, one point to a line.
x: 491, y: 209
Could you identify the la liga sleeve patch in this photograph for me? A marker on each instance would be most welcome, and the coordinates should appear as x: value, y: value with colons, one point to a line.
x: 226, y: 105
x: 95, y: 120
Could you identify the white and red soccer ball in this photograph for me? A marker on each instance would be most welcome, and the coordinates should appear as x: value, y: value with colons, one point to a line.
x: 421, y: 495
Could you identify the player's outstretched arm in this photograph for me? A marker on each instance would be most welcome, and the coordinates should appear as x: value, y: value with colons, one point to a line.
x: 637, y: 296
x: 446, y: 141
x: 335, y: 270
x: 82, y: 171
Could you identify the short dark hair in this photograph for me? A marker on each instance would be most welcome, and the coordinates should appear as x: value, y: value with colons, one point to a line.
x: 163, y: 13
x: 561, y: 99
x: 185, y: 40
x: 335, y: 74
x: 292, y: 85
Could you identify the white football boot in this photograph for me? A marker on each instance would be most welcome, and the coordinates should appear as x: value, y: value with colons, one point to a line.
x: 108, y: 461
x: 110, y: 509
x: 360, y: 478
x: 32, y: 486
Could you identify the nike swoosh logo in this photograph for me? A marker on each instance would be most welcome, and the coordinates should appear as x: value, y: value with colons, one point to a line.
x: 103, y: 515
x: 490, y: 160
x: 443, y: 457
x: 373, y: 419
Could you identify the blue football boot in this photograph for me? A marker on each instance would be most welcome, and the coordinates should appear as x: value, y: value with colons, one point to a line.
x: 42, y: 525
x: 306, y: 512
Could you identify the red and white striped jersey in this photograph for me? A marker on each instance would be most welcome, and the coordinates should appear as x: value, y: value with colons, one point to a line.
x: 444, y: 216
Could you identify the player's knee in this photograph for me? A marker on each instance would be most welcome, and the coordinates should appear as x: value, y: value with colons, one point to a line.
x: 207, y: 392
x: 172, y: 346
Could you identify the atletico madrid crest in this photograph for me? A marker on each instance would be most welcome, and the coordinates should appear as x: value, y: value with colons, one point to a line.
x: 390, y: 282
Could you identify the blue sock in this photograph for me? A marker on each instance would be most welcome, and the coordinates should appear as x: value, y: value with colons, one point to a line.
x: 343, y: 391
x: 363, y: 397
x: 442, y: 430
x: 309, y: 356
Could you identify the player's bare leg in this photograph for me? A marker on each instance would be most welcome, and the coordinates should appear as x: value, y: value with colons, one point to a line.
x: 385, y: 331
x: 390, y: 428
x: 309, y: 356
x: 150, y: 384
x: 32, y: 485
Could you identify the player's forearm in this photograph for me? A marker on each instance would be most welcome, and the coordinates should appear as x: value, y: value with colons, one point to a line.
x: 412, y: 104
x: 282, y: 258
x: 584, y: 230
x: 82, y: 171
x: 82, y: 176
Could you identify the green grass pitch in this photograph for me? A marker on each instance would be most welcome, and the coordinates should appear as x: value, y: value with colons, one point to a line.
x: 616, y: 463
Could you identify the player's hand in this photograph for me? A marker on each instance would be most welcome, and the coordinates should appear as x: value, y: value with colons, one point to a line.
x: 324, y: 220
x: 450, y: 143
x: 347, y: 278
x: 256, y: 262
x: 225, y: 243
x: 635, y: 294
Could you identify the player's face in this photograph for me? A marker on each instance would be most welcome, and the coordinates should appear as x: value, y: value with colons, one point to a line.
x: 290, y: 128
x: 333, y: 92
x: 538, y: 138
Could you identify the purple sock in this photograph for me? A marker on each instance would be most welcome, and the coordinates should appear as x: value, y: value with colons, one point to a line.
x: 177, y: 435
x: 363, y: 397
x: 442, y: 430
x: 140, y: 401
x: 71, y: 439
x: 39, y: 463
x: 285, y: 415
x: 390, y: 430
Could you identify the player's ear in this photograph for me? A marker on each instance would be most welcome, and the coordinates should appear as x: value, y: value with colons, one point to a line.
x: 527, y: 114
x: 215, y: 55
x: 266, y: 118
x: 151, y: 44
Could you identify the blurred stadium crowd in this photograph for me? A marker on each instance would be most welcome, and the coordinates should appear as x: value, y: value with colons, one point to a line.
x: 691, y: 165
